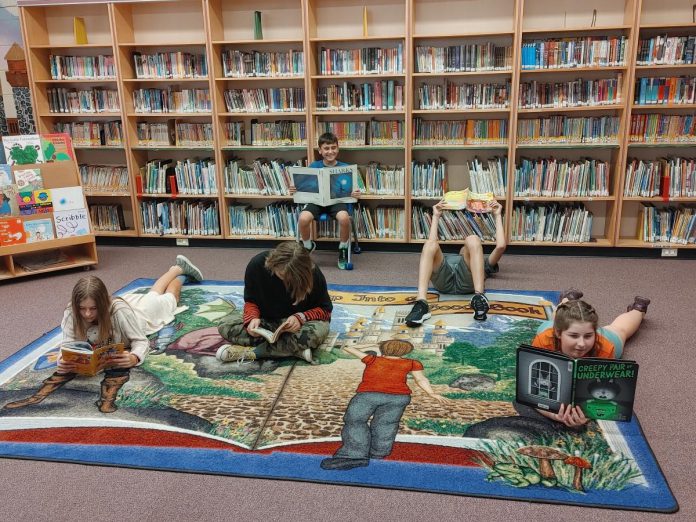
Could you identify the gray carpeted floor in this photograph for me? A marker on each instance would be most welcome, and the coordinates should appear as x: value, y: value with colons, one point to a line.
x: 665, y: 349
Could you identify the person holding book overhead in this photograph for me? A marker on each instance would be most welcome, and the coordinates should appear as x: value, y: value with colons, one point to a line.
x: 461, y: 273
x: 96, y: 317
x: 574, y: 332
x: 287, y: 308
x: 328, y: 150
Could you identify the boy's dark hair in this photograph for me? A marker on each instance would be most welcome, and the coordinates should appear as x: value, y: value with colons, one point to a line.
x: 328, y: 138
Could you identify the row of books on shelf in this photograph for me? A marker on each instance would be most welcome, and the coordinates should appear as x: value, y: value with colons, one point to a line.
x: 273, y: 99
x: 669, y: 225
x: 172, y: 100
x: 566, y: 129
x: 189, y: 176
x: 104, y: 178
x: 199, y: 218
x: 660, y: 128
x: 264, y: 134
x: 366, y: 60
x: 555, y: 222
x: 561, y: 178
x: 581, y: 92
x: 174, y: 133
x: 665, y: 49
x: 459, y: 132
x: 583, y: 51
x: 262, y: 177
x: 170, y: 65
x: 380, y: 95
x: 82, y: 101
x: 429, y: 178
x: 667, y: 177
x: 237, y: 63
x: 107, y: 218
x: 370, y: 223
x: 652, y: 91
x: 358, y: 133
x: 453, y: 224
x: 463, y: 58
x: 462, y: 96
x: 92, y: 133
x: 102, y: 67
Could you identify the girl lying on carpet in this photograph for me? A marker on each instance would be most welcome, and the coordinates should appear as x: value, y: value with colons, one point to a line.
x: 94, y: 316
x: 574, y: 332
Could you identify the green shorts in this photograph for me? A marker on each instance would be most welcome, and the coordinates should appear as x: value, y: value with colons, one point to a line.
x: 453, y: 275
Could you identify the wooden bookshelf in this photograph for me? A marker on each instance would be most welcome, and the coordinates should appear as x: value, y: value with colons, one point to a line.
x: 215, y: 27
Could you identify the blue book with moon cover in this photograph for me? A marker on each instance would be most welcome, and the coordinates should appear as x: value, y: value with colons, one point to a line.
x: 325, y: 186
x: 603, y: 388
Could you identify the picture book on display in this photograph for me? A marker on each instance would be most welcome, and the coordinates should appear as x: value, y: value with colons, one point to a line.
x: 325, y: 186
x: 5, y: 175
x: 471, y: 201
x: 28, y: 180
x: 9, y: 204
x: 39, y: 230
x: 70, y: 223
x: 603, y: 388
x: 57, y: 147
x: 89, y: 361
x: 67, y: 198
x: 12, y: 232
x: 23, y: 149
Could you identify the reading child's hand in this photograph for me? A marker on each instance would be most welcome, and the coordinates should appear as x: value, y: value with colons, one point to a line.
x: 292, y: 189
x: 123, y: 360
x: 65, y: 367
x: 571, y: 416
x: 356, y: 193
x: 292, y: 324
x: 254, y: 323
x: 438, y: 208
x: 496, y: 208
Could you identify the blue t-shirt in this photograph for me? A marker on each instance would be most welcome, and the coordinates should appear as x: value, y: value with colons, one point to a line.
x: 320, y: 164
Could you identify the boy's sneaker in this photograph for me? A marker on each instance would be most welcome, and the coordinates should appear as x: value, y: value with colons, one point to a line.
x: 572, y: 294
x: 640, y: 304
x: 234, y: 352
x: 418, y: 314
x: 189, y: 269
x: 342, y: 258
x: 307, y: 355
x: 312, y: 246
x: 480, y: 305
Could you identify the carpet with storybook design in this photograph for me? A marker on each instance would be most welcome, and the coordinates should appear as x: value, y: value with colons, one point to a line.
x: 184, y: 411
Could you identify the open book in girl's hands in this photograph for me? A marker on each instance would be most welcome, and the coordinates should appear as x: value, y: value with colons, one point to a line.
x: 270, y: 336
x: 89, y: 361
x: 471, y: 201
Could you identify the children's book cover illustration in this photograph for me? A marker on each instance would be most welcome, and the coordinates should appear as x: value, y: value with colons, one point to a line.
x: 39, y: 230
x: 70, y: 223
x: 12, y: 232
x: 325, y: 186
x: 67, y: 198
x: 471, y: 201
x: 603, y: 388
x: 57, y: 147
x: 9, y: 205
x: 88, y: 360
x: 23, y: 149
x: 28, y: 180
x: 5, y: 175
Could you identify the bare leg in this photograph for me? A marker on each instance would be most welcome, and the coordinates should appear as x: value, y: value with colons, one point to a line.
x: 472, y: 252
x: 343, y: 219
x: 168, y: 283
x: 430, y: 259
x: 627, y: 324
x: 304, y: 223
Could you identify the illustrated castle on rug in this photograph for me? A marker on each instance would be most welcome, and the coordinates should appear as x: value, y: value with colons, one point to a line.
x: 372, y: 331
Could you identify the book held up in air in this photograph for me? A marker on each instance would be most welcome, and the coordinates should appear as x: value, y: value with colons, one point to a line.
x: 88, y: 360
x: 603, y: 388
x: 467, y: 200
x: 325, y: 186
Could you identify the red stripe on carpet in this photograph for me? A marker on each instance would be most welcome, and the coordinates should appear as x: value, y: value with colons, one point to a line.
x: 403, y: 451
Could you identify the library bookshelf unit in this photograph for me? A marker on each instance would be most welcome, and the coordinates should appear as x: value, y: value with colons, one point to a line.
x: 536, y: 101
x: 79, y: 251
